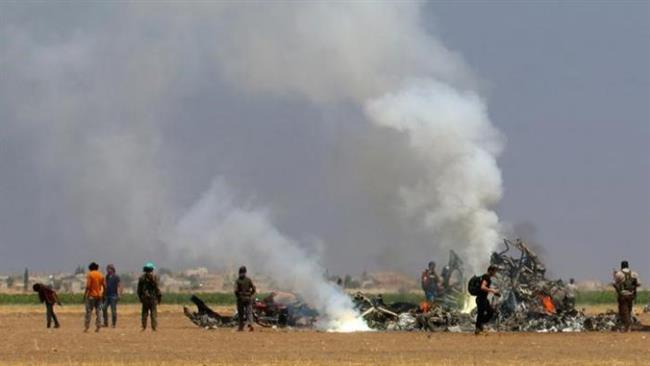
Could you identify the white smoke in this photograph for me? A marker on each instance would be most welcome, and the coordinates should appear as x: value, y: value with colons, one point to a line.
x: 452, y: 136
x: 379, y: 57
x: 219, y: 230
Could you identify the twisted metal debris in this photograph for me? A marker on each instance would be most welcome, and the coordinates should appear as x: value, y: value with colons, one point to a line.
x: 529, y: 303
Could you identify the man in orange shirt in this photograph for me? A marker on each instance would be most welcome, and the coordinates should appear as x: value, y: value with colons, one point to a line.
x: 94, y: 296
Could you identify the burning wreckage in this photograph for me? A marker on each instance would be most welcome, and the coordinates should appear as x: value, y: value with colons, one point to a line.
x: 529, y: 303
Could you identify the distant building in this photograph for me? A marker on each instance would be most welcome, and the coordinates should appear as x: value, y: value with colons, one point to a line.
x: 196, y: 272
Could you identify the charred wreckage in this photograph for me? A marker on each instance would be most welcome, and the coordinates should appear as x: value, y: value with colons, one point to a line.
x: 529, y: 303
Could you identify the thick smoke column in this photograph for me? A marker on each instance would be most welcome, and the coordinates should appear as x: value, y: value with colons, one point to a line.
x: 218, y: 230
x: 452, y: 136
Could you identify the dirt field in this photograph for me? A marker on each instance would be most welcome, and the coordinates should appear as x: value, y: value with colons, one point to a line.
x: 178, y: 342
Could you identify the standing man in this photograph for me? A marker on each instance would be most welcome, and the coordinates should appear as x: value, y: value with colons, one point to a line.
x: 93, y: 296
x: 430, y: 282
x: 483, y: 307
x: 149, y: 295
x: 113, y: 288
x: 244, y: 291
x: 572, y: 290
x: 49, y: 297
x: 626, y: 283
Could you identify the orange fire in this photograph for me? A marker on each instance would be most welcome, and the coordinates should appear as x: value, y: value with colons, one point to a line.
x: 425, y: 306
x: 548, y: 305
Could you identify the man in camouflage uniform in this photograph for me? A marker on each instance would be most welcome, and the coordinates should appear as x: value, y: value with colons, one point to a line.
x: 626, y: 283
x: 244, y: 291
x: 149, y: 295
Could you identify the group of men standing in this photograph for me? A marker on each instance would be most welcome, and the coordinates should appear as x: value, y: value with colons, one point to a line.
x: 102, y: 292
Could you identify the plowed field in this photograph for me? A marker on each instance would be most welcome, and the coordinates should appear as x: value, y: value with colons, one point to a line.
x: 26, y: 341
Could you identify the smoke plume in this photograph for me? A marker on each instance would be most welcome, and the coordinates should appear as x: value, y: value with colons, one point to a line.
x: 449, y: 131
x: 220, y: 230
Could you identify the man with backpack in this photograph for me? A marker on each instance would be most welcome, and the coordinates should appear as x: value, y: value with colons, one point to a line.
x: 626, y: 283
x: 244, y: 291
x: 149, y: 295
x: 480, y: 287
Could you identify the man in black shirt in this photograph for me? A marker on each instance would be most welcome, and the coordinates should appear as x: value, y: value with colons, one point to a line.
x: 484, y: 310
x: 244, y: 291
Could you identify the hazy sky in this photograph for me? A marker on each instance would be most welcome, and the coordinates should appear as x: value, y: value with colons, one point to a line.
x: 569, y: 85
x: 110, y: 114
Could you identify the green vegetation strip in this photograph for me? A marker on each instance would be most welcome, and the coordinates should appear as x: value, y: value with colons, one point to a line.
x: 168, y: 298
x: 584, y: 297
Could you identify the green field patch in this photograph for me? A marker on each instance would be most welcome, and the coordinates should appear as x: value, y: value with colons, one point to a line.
x: 218, y: 298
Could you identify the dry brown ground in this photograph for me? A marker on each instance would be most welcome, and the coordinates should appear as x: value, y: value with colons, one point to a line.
x: 25, y: 341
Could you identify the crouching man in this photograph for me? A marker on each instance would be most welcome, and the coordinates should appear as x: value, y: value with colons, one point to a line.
x: 483, y: 307
x: 244, y: 291
x: 49, y: 297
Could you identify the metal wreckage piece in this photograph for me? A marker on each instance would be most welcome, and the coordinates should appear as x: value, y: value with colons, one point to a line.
x: 207, y: 318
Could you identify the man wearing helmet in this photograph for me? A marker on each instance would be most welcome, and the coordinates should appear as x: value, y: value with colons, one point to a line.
x: 149, y: 295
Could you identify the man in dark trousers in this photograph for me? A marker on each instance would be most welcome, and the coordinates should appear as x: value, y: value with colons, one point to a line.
x: 430, y: 282
x: 626, y: 283
x: 244, y: 291
x: 112, y: 293
x: 484, y: 309
x: 49, y: 297
x: 149, y: 295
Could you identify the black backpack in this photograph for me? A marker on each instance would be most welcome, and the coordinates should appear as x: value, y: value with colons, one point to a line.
x: 474, y: 286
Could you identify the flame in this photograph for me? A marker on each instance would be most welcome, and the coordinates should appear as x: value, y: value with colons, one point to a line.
x: 468, y: 304
x: 425, y: 306
x: 548, y: 305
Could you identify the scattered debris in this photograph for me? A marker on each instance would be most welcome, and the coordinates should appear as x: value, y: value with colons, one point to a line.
x: 267, y: 313
x: 529, y: 303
